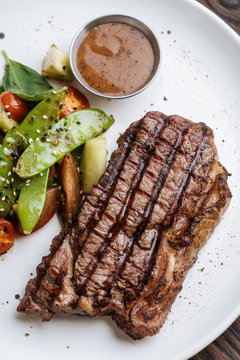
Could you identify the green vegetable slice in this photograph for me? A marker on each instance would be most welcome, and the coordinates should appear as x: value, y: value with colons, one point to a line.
x: 15, y: 142
x: 31, y: 200
x: 43, y: 115
x: 24, y: 81
x: 93, y: 162
x: 13, y: 145
x: 69, y: 133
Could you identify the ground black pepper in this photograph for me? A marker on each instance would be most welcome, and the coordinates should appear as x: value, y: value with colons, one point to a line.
x: 119, y: 59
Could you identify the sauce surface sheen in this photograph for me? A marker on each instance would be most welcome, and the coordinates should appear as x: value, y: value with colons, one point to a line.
x: 115, y: 59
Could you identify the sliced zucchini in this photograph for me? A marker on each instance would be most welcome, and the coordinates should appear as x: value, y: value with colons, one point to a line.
x: 93, y: 162
x: 56, y: 64
x: 6, y: 121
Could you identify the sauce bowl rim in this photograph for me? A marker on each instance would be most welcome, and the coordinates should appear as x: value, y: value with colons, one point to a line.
x: 114, y: 18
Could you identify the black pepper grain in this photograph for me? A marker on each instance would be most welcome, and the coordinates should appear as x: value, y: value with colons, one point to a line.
x: 2, y: 35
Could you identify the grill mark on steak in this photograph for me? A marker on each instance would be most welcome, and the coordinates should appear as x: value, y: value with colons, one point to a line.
x: 126, y: 206
x: 108, y: 180
x: 128, y: 249
x: 148, y: 211
x: 175, y: 206
x: 144, y: 276
x: 136, y: 236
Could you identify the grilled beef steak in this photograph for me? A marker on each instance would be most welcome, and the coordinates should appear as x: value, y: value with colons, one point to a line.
x: 139, y: 231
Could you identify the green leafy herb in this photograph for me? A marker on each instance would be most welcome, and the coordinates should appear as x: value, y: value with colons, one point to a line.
x: 24, y: 81
x: 1, y: 89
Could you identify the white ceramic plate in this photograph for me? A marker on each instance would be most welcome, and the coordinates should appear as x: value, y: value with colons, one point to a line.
x: 200, y: 79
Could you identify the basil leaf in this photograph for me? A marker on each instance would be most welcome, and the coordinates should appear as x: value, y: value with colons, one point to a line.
x: 24, y: 81
x: 1, y: 89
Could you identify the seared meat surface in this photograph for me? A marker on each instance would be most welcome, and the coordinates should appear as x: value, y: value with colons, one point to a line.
x: 139, y: 231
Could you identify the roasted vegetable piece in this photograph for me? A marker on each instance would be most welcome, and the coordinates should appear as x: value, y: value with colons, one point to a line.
x: 93, y: 162
x: 56, y: 64
x: 70, y: 180
x: 6, y: 121
x: 14, y: 105
x: 7, y: 235
x: 51, y: 173
x: 31, y: 201
x: 74, y: 101
x: 33, y: 126
x: 49, y: 210
x: 69, y: 133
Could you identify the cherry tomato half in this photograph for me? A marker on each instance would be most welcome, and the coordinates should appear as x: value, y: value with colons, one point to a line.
x: 13, y: 104
x: 75, y: 101
x: 7, y: 235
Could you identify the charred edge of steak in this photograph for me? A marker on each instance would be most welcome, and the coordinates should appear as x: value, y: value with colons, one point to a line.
x: 29, y: 303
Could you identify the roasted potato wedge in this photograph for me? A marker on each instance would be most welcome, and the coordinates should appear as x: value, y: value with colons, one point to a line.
x: 70, y: 180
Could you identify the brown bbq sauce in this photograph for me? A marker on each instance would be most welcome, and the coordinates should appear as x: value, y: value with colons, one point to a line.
x: 115, y: 59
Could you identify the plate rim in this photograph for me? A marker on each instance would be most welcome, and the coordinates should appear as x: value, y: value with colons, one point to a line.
x: 233, y: 315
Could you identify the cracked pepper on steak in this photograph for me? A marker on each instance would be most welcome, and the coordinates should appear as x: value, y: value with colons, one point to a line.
x: 139, y: 231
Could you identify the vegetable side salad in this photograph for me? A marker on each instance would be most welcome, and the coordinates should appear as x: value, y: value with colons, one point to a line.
x: 43, y: 164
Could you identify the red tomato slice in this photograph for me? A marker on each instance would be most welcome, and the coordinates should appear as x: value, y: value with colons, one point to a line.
x: 75, y: 101
x: 7, y: 235
x: 13, y: 104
